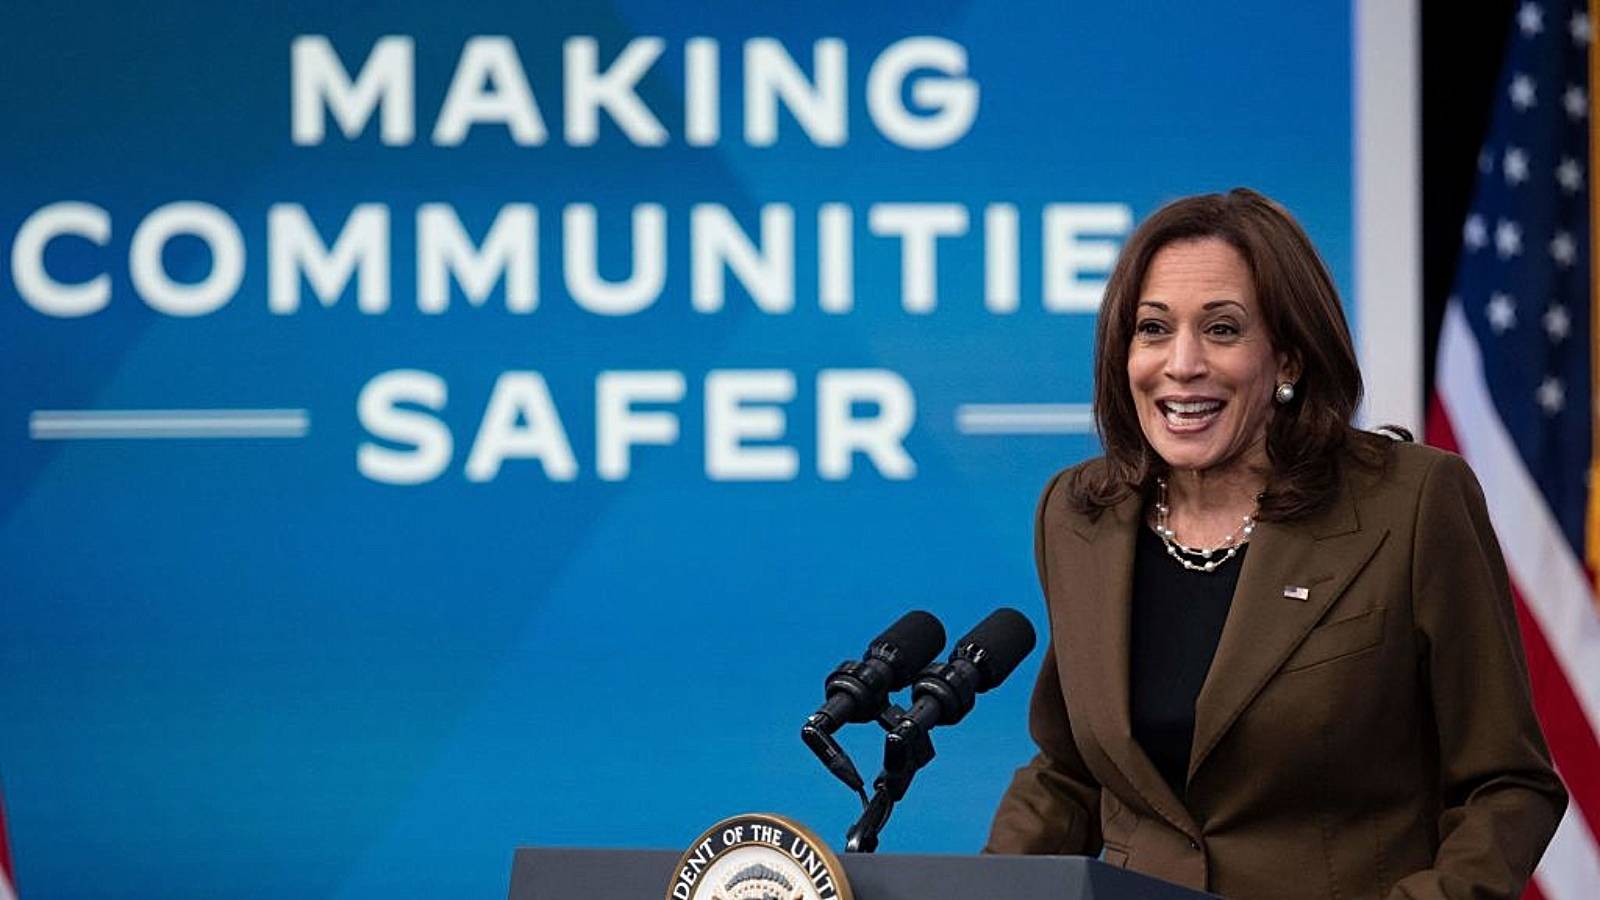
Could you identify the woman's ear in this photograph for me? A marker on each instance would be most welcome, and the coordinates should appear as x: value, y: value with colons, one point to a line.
x: 1289, y: 367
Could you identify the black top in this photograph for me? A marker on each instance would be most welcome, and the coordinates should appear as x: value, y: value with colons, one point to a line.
x: 1177, y: 621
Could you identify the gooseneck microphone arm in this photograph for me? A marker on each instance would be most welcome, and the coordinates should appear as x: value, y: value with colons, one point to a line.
x: 942, y: 695
x: 825, y: 748
x: 858, y: 690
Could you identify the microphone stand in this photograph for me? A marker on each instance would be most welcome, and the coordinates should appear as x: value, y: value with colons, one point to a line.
x: 906, y: 748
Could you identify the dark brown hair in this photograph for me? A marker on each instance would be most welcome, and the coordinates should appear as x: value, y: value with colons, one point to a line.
x: 1301, y: 310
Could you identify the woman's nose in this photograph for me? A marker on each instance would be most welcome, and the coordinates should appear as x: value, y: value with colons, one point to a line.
x: 1187, y: 361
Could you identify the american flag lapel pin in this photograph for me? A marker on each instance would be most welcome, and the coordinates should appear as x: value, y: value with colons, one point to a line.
x: 1296, y: 592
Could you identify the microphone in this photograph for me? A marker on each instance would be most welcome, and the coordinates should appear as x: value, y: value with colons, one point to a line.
x: 943, y: 694
x: 858, y: 690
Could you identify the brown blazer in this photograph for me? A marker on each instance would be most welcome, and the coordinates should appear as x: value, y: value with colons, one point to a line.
x: 1375, y: 739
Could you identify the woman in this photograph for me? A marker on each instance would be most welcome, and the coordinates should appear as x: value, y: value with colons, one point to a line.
x: 1283, y: 661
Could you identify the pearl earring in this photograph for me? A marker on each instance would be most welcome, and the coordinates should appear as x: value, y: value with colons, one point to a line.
x: 1284, y: 393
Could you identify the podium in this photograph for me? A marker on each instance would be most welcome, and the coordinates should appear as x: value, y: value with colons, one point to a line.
x: 539, y: 873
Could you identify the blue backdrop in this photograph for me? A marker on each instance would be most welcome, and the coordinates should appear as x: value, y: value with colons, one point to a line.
x: 258, y: 667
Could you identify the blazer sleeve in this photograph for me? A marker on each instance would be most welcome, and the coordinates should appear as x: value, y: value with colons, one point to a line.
x: 1500, y: 798
x: 1053, y: 803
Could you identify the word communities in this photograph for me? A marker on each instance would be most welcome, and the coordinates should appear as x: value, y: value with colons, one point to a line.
x: 1077, y: 245
x: 859, y: 412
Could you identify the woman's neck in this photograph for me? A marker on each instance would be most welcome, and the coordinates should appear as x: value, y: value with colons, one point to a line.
x: 1205, y: 506
x: 1208, y: 492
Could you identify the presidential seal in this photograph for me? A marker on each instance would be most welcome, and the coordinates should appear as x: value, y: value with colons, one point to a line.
x: 758, y: 856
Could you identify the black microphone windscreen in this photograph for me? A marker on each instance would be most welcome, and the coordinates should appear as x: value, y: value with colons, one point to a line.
x: 997, y: 645
x: 909, y: 645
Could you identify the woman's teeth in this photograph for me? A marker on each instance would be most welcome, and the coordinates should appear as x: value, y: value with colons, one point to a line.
x: 1186, y: 412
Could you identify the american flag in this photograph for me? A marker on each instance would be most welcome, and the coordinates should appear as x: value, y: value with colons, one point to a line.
x: 1514, y: 395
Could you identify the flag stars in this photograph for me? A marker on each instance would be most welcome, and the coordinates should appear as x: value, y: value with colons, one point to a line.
x: 1551, y: 396
x: 1575, y: 101
x: 1502, y: 312
x: 1530, y: 18
x: 1475, y: 233
x: 1569, y: 174
x: 1578, y: 27
x: 1563, y: 249
x: 1507, y: 238
x: 1516, y: 165
x: 1523, y: 92
x: 1557, y: 324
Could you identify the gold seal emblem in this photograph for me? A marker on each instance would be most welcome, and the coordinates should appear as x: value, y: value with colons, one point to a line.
x: 757, y: 856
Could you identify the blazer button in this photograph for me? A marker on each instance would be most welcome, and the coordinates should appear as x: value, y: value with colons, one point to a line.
x: 1193, y: 844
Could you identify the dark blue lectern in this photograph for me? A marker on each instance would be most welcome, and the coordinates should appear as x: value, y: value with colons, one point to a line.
x: 550, y: 874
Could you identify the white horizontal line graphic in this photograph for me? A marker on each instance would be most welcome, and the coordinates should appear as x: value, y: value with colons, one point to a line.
x: 1025, y: 418
x: 166, y: 424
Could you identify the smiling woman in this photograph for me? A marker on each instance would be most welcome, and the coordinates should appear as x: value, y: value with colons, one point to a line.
x: 1255, y: 297
x: 1283, y: 659
x: 1202, y: 366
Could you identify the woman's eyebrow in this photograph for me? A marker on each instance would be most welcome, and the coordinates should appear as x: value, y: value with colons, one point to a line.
x: 1213, y: 304
x: 1209, y: 305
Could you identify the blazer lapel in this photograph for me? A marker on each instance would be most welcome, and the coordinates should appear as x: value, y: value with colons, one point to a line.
x: 1269, y: 618
x: 1106, y: 650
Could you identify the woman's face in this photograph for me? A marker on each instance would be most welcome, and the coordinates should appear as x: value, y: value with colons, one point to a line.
x: 1201, y: 364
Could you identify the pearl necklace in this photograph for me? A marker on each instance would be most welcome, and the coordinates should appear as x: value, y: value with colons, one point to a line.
x: 1229, y: 546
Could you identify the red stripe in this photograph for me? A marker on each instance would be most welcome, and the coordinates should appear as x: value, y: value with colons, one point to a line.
x: 5, y: 849
x: 1532, y: 892
x: 1572, y: 738
x: 1437, y: 430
